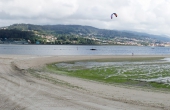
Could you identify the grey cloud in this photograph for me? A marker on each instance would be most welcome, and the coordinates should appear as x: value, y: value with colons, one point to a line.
x: 141, y: 15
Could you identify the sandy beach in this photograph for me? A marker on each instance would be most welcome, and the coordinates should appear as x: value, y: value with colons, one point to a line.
x: 19, y: 90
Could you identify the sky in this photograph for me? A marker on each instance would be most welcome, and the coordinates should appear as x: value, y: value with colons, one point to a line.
x: 149, y: 16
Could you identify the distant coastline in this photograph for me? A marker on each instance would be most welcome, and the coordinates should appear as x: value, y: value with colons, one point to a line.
x: 76, y: 35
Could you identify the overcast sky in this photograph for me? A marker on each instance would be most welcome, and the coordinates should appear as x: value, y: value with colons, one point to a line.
x: 150, y: 16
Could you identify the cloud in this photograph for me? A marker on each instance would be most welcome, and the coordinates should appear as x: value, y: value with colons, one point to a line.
x: 38, y: 8
x: 149, y: 16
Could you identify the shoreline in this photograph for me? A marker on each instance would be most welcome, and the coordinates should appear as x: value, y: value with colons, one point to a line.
x: 26, y: 91
x: 42, y: 60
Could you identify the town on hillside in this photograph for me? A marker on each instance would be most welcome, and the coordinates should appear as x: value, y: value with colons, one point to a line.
x: 50, y: 39
x: 76, y: 35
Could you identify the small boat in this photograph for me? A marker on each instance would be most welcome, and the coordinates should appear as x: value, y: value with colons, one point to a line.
x: 92, y: 49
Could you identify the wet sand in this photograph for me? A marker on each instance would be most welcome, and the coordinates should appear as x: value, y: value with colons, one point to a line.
x: 20, y: 90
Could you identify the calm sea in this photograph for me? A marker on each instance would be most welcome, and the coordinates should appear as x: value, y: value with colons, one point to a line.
x: 81, y: 50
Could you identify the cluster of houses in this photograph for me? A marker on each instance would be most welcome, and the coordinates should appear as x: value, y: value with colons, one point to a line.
x: 117, y: 41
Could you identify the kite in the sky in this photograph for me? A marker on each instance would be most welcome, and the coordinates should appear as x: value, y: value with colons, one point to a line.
x: 113, y: 14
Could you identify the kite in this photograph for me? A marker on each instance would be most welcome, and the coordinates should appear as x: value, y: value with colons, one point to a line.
x: 113, y: 14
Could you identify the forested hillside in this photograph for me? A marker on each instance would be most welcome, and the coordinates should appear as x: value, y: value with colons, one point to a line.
x: 75, y: 30
x: 73, y: 34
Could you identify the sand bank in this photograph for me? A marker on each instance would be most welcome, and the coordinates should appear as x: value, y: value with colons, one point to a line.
x: 21, y: 90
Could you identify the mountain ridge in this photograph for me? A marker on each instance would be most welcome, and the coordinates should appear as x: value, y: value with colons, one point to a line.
x: 77, y: 35
x: 86, y: 30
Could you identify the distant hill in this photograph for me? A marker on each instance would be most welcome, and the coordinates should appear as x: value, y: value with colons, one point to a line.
x: 85, y: 30
x: 157, y: 37
x: 76, y: 35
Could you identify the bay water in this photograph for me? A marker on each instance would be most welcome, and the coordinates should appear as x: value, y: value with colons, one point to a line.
x: 82, y: 50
